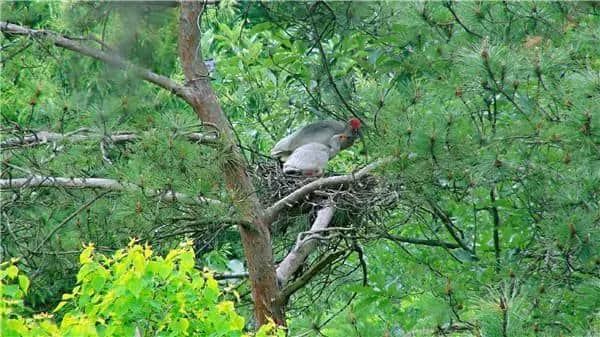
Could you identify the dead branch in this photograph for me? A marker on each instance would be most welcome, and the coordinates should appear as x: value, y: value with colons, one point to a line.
x: 43, y: 137
x: 107, y: 184
x: 304, y: 247
x: 295, y: 197
x: 309, y: 274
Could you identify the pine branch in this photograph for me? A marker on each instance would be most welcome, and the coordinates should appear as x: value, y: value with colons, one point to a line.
x: 107, y: 184
x: 448, y: 5
x: 448, y: 224
x: 495, y: 234
x: 325, y: 63
x: 424, y: 242
x: 69, y: 218
x: 112, y: 59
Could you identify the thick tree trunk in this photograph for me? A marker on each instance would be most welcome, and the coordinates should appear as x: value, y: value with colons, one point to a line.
x: 256, y: 240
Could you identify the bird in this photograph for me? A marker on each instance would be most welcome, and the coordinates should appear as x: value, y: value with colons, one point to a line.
x: 318, y: 132
x: 311, y: 159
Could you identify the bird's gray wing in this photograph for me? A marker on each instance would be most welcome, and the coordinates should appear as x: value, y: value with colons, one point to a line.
x: 317, y: 132
x: 282, y: 147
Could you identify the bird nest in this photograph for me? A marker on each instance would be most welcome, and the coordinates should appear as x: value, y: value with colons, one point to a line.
x: 370, y: 193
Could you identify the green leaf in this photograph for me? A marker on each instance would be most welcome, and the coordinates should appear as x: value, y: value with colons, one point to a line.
x: 59, y: 306
x: 24, y: 283
x: 187, y: 261
x: 12, y: 271
x: 98, y: 282
x: 162, y: 268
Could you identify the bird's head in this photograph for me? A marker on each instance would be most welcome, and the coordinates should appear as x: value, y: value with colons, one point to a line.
x: 354, y: 124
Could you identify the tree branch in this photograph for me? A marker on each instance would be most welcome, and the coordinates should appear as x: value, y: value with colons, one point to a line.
x: 294, y: 197
x: 304, y: 247
x: 112, y: 59
x: 43, y: 137
x: 308, y: 275
x: 424, y: 242
x: 496, y: 217
x: 448, y: 5
x: 230, y: 276
x: 69, y: 218
x: 107, y: 184
x: 328, y: 71
x: 448, y: 224
x: 256, y: 239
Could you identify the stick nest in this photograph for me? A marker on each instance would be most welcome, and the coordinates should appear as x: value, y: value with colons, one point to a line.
x: 371, y: 193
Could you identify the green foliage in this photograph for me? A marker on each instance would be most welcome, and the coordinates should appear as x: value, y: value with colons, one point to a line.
x: 491, y: 110
x: 133, y: 290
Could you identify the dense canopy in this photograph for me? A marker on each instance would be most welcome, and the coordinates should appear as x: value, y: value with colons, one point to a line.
x: 470, y: 208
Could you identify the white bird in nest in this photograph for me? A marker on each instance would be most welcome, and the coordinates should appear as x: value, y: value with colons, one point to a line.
x: 311, y: 159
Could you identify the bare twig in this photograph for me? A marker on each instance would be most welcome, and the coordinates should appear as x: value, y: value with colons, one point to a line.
x: 67, y: 219
x: 20, y: 50
x: 496, y: 217
x: 328, y: 72
x: 448, y: 224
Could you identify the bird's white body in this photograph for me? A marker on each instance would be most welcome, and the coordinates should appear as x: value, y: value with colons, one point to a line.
x: 311, y: 159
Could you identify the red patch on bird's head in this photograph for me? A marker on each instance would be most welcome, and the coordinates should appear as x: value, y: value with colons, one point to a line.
x: 354, y: 123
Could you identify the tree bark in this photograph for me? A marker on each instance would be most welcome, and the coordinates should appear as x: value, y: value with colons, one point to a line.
x: 257, y: 239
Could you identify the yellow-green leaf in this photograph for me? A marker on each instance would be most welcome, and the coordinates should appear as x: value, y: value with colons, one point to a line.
x: 59, y: 306
x: 187, y: 261
x: 86, y: 255
x: 12, y: 271
x: 24, y: 283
